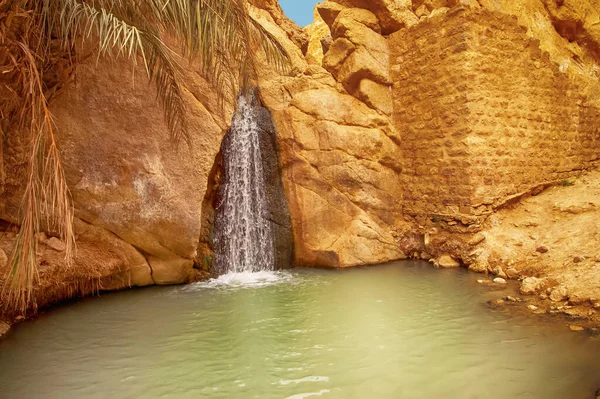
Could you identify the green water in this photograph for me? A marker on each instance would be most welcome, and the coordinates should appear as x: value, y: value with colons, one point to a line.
x: 403, y: 330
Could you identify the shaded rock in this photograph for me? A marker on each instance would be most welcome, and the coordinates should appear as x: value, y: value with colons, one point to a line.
x: 446, y: 261
x: 338, y: 53
x: 478, y: 260
x: 326, y: 42
x: 360, y: 65
x: 499, y: 272
x: 3, y: 259
x: 56, y: 244
x: 497, y: 303
x: 558, y: 294
x: 3, y: 328
x: 578, y: 259
x: 319, y: 40
x: 422, y: 11
x: 499, y: 280
x: 531, y: 285
x: 576, y: 299
x: 542, y: 249
x: 512, y: 273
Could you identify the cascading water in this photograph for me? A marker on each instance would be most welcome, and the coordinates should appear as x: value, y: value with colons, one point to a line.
x: 243, y: 236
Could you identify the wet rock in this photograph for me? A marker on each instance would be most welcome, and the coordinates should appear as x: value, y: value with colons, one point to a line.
x: 499, y: 272
x: 497, y: 303
x: 511, y: 299
x: 531, y: 285
x: 512, y: 273
x: 446, y: 261
x: 532, y: 307
x: 573, y: 327
x: 478, y: 260
x: 56, y: 244
x: 559, y: 294
x: 3, y: 328
x: 542, y: 249
x: 499, y: 280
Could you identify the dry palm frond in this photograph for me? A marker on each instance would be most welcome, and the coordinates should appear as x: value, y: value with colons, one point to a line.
x: 217, y: 34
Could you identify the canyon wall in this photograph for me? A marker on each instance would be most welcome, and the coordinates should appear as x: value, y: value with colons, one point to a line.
x: 485, y: 115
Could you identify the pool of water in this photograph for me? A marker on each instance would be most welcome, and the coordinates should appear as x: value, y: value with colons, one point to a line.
x: 402, y: 330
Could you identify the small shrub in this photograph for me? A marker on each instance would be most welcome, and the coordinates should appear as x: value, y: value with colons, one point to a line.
x: 566, y: 183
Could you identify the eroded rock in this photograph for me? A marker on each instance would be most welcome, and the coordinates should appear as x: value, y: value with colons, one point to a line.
x: 531, y: 285
x: 558, y: 294
x: 446, y: 261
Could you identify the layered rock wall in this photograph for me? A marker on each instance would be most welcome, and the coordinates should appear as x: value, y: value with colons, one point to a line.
x: 484, y: 115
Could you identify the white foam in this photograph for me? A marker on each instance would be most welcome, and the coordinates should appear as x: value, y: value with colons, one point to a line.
x: 247, y: 280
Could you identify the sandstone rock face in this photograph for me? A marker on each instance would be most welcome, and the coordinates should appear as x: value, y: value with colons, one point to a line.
x: 125, y: 174
x: 318, y: 36
x: 392, y: 14
x: 487, y: 134
x: 339, y: 172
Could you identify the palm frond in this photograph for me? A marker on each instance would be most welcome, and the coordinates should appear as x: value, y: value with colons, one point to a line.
x: 217, y: 35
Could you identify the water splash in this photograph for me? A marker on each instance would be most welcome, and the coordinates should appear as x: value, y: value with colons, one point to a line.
x: 243, y: 236
x: 245, y: 280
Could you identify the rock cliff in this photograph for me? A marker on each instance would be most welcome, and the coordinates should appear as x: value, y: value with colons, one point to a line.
x: 402, y: 128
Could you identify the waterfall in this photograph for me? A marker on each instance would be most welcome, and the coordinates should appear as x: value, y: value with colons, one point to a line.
x: 243, y: 236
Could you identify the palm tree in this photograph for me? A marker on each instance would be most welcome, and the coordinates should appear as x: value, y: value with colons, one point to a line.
x: 36, y: 36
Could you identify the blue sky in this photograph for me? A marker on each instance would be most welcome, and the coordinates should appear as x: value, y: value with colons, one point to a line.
x: 301, y: 11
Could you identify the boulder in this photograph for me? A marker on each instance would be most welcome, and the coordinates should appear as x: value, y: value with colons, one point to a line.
x: 56, y: 244
x: 446, y: 261
x: 531, y: 285
x: 375, y: 95
x: 362, y: 65
x: 392, y: 14
x: 329, y: 10
x: 499, y: 272
x: 319, y: 38
x: 559, y: 293
x: 348, y: 19
x: 338, y: 53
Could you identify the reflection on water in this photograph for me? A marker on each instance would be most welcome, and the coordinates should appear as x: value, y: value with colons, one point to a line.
x: 395, y: 331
